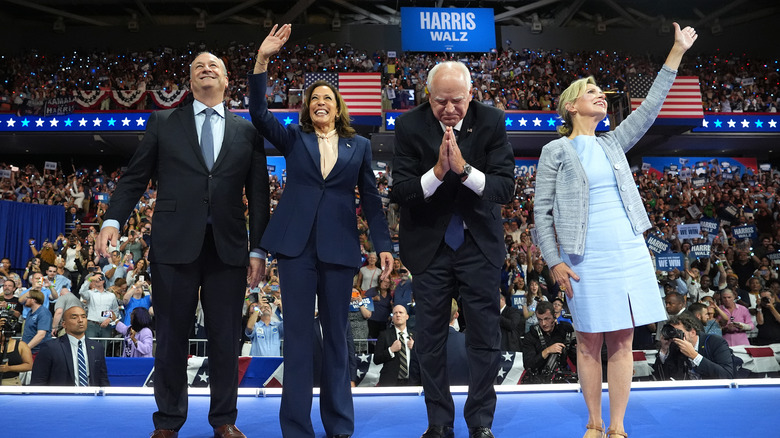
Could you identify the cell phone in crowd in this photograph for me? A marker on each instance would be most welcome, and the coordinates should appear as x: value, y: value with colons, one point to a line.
x: 142, y: 278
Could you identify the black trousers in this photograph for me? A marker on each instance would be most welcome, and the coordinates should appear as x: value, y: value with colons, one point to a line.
x: 469, y: 273
x: 175, y: 299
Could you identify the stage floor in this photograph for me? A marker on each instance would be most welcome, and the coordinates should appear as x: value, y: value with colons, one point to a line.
x: 728, y: 409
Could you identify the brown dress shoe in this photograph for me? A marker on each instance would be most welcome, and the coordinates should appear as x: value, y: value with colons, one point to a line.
x: 164, y: 433
x: 228, y: 431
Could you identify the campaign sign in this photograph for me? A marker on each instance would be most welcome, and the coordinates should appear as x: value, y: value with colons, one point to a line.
x: 526, y: 166
x: 699, y: 182
x: 518, y: 300
x: 694, y: 211
x: 5, y: 173
x: 709, y: 225
x: 669, y: 262
x: 701, y: 250
x: 745, y: 232
x: 657, y: 245
x: 50, y: 165
x: 270, y: 168
x: 775, y: 257
x: 448, y: 29
x: 730, y: 212
x: 688, y: 231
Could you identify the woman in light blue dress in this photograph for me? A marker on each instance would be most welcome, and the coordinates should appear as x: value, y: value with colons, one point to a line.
x: 590, y: 219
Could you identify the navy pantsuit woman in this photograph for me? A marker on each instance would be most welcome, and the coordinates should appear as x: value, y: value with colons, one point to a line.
x: 313, y: 233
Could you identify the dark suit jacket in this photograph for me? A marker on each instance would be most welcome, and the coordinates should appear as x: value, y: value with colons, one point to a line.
x: 188, y: 192
x: 718, y: 361
x: 388, y: 376
x: 483, y: 144
x: 512, y: 325
x: 54, y: 364
x: 309, y: 200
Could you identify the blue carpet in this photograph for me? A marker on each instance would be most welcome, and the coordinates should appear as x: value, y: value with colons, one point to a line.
x: 706, y: 412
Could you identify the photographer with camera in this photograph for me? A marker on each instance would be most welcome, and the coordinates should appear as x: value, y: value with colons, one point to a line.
x: 134, y: 243
x: 15, y: 355
x: 266, y: 335
x: 548, y: 347
x: 688, y: 354
x: 768, y: 319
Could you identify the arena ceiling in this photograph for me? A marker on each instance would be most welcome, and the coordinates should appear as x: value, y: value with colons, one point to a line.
x: 717, y: 15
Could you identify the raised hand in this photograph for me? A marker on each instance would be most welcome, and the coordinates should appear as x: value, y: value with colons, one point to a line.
x: 684, y: 38
x: 274, y: 41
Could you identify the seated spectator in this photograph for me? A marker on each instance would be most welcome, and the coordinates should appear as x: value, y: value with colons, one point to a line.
x: 549, y: 345
x: 139, y: 339
x: 512, y: 326
x: 702, y: 313
x: 734, y: 319
x: 266, y: 335
x: 768, y: 319
x: 88, y: 364
x: 690, y: 354
x: 16, y: 352
x: 37, y: 325
x: 394, y: 350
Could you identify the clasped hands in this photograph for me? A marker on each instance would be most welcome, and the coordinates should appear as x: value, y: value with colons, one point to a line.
x: 450, y: 157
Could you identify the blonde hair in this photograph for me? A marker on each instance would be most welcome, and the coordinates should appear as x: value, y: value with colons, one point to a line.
x: 569, y: 95
x: 453, y: 309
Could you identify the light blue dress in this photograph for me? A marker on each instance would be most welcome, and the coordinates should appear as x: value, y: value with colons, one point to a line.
x: 617, y: 288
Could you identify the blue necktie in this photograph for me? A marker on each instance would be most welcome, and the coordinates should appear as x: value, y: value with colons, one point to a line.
x: 83, y: 381
x: 454, y: 237
x: 207, y: 139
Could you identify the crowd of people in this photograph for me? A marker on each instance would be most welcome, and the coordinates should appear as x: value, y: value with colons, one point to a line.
x: 512, y: 79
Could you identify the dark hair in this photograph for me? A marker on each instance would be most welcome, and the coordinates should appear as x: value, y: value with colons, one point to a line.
x: 677, y: 295
x: 543, y: 307
x: 697, y: 308
x: 140, y: 319
x: 343, y: 127
x: 687, y: 321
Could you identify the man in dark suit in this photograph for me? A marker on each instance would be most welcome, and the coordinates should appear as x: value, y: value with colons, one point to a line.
x: 694, y: 355
x: 60, y: 363
x: 452, y: 171
x: 394, y: 351
x: 205, y: 159
x: 456, y: 351
x: 512, y: 325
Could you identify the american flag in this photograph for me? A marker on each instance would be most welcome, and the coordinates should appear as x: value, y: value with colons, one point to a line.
x: 683, y: 100
x: 361, y: 91
x: 198, y: 371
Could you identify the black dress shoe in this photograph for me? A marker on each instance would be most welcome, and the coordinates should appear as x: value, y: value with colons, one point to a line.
x: 480, y: 432
x: 343, y: 435
x: 436, y: 431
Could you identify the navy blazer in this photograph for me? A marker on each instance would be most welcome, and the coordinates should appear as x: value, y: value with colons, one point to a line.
x: 388, y: 375
x: 717, y: 362
x: 310, y: 201
x: 54, y: 364
x: 189, y: 193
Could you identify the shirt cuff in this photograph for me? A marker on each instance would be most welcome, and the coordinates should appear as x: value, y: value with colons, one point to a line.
x: 697, y: 360
x: 429, y: 183
x: 258, y: 253
x: 392, y: 355
x: 476, y: 181
x: 110, y: 223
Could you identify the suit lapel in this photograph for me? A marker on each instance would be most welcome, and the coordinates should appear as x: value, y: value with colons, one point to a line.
x: 230, y: 133
x: 310, y: 141
x: 65, y: 348
x: 346, y: 150
x: 186, y: 118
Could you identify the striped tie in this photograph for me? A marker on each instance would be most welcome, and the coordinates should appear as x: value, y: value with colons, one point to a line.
x: 83, y: 381
x: 403, y: 372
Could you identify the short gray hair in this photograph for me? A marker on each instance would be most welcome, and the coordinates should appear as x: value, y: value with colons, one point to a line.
x: 450, y: 65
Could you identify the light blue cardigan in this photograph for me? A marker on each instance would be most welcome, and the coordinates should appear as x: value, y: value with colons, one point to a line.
x: 562, y: 191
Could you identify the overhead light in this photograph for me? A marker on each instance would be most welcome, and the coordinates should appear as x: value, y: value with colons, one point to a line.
x: 200, y: 23
x: 59, y: 25
x: 132, y: 25
x: 536, y: 24
x: 716, y: 27
x: 268, y: 22
x: 665, y: 28
x: 335, y: 24
x: 601, y: 27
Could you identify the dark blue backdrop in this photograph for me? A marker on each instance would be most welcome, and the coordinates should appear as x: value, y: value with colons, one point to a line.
x: 20, y: 222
